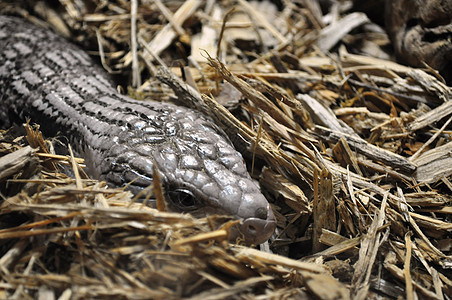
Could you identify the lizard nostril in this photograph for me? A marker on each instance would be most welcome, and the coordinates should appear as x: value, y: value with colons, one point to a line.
x: 252, y: 230
x: 261, y: 213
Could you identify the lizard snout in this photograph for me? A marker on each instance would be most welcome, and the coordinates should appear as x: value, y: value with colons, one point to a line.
x: 259, y: 229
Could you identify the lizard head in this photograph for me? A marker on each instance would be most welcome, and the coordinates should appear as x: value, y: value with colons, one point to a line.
x: 205, y: 175
x: 200, y: 171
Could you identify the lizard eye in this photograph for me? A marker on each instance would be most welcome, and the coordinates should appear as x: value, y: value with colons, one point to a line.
x: 184, y: 199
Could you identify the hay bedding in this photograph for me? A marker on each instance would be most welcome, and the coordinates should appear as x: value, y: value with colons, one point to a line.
x: 351, y: 148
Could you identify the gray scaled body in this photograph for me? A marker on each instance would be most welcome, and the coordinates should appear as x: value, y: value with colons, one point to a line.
x: 56, y: 84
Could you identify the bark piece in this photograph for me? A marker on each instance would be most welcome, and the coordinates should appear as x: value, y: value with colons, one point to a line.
x: 17, y: 161
x: 371, y: 151
x: 420, y: 31
x: 333, y: 33
x: 434, y: 164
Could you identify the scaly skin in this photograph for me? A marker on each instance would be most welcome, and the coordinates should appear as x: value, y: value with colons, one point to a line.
x: 57, y: 85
